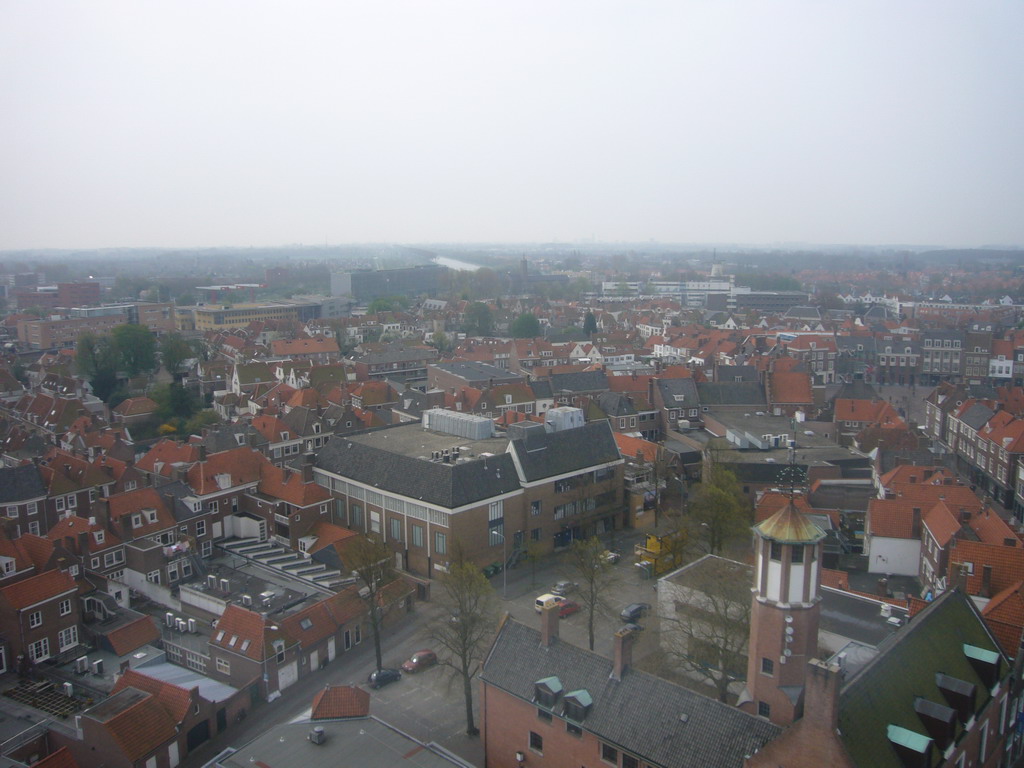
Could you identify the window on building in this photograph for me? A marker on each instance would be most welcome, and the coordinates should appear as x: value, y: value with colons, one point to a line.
x: 609, y: 754
x: 396, y: 529
x: 574, y: 729
x: 35, y: 619
x: 200, y: 528
x: 72, y: 501
x: 543, y: 714
x: 39, y: 650
x: 279, y: 650
x: 535, y: 508
x: 12, y: 510
x: 417, y: 535
x: 536, y: 742
x: 628, y: 761
x: 206, y: 548
x: 224, y: 666
x: 59, y: 501
x: 798, y: 554
x: 776, y: 551
x: 763, y: 709
x: 153, y: 577
x: 767, y: 666
x: 67, y: 638
x: 64, y: 607
x: 33, y: 527
x: 440, y: 543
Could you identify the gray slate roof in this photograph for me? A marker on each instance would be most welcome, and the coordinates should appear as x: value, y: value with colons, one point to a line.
x: 445, y: 485
x: 640, y: 713
x: 731, y: 393
x: 977, y: 416
x: 669, y: 388
x: 583, y: 381
x: 547, y: 454
x: 21, y: 483
x: 616, y: 404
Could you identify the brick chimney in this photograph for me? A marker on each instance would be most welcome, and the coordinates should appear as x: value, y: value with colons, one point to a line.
x: 821, y: 694
x: 623, y: 657
x: 307, y: 467
x: 548, y: 625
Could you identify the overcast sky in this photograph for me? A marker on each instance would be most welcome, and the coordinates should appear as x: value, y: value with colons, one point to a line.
x: 184, y: 123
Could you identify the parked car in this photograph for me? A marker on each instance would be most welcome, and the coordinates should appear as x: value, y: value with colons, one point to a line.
x: 633, y: 627
x: 547, y: 599
x: 567, y: 608
x: 611, y: 556
x: 563, y: 587
x: 419, y: 660
x: 381, y: 677
x: 635, y: 611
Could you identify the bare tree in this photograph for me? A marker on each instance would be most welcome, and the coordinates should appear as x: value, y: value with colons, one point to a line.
x: 587, y: 564
x: 370, y: 560
x: 706, y: 628
x: 719, y: 512
x: 466, y: 625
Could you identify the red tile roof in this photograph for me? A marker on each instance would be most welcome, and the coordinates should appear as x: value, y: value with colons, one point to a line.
x: 1004, y: 615
x: 1007, y: 565
x: 161, y: 458
x: 630, y: 447
x: 136, y: 406
x: 867, y: 411
x: 913, y: 474
x: 176, y: 700
x: 228, y: 469
x: 790, y: 387
x: 247, y: 633
x: 133, y: 635
x: 339, y: 701
x: 992, y: 529
x: 942, y: 524
x: 892, y: 518
x: 835, y: 579
x: 287, y: 485
x: 128, y: 503
x: 38, y: 589
x: 140, y: 728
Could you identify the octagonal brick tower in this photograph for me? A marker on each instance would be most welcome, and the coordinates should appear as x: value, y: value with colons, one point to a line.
x: 784, y: 615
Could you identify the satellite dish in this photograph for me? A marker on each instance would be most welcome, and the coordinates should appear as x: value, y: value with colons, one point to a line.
x: 787, y: 652
x: 789, y: 619
x: 789, y: 630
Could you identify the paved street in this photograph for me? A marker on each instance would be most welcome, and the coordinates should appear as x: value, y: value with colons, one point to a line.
x: 429, y: 705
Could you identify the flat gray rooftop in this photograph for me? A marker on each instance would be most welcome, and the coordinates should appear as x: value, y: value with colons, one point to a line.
x: 414, y: 441
x: 366, y: 742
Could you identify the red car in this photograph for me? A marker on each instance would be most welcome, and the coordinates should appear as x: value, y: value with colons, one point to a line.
x: 568, y: 608
x: 420, y: 660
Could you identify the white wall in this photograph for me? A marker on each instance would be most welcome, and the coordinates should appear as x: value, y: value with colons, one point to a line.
x: 897, y: 556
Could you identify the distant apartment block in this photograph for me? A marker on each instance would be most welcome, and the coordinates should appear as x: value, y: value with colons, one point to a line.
x: 370, y: 285
x: 63, y: 332
x: 59, y: 295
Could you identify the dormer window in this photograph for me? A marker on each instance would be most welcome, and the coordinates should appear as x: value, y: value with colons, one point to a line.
x: 99, y: 536
x: 576, y: 705
x: 914, y: 749
x: 547, y: 691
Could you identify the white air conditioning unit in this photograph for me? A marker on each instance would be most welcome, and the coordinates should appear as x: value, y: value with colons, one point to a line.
x: 69, y: 690
x: 317, y: 735
x: 82, y: 665
x: 192, y: 626
x: 97, y: 667
x: 182, y: 625
x: 211, y: 581
x: 886, y: 610
x: 246, y: 600
x: 225, y: 585
x: 169, y: 619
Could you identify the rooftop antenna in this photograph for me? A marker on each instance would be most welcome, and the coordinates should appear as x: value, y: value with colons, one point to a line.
x: 791, y: 474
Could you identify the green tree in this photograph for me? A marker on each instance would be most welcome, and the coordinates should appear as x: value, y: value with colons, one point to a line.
x: 590, y: 324
x: 466, y: 624
x: 96, y: 359
x: 370, y: 560
x: 719, y: 512
x: 479, y: 321
x: 708, y: 625
x: 587, y: 563
x: 526, y: 326
x: 174, y: 351
x: 174, y: 402
x: 440, y: 341
x: 205, y: 418
x: 381, y: 304
x: 136, y: 347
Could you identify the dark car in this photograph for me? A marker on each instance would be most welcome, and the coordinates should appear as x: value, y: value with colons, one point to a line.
x: 563, y: 588
x: 381, y: 677
x: 633, y: 627
x: 568, y: 608
x: 634, y: 611
x: 420, y: 660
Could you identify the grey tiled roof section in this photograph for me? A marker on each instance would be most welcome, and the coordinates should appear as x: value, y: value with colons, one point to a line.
x: 616, y: 404
x: 476, y: 373
x: 541, y: 389
x: 557, y: 453
x: 639, y: 713
x: 584, y: 381
x: 734, y: 372
x: 20, y: 484
x: 977, y: 415
x: 226, y: 437
x: 445, y: 485
x: 731, y: 393
x: 396, y: 356
x: 669, y: 388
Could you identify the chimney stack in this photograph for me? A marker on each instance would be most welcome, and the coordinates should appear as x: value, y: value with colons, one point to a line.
x: 307, y: 467
x: 548, y: 625
x: 623, y: 657
x: 821, y: 695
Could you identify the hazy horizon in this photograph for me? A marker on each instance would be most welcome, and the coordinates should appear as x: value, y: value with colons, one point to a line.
x: 196, y: 125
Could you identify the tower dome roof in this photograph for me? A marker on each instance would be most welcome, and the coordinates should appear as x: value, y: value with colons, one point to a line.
x: 789, y: 526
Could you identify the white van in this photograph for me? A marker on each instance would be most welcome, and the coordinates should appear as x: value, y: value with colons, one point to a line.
x: 546, y: 600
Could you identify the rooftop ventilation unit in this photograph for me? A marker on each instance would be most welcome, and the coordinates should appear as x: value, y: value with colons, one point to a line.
x: 69, y: 690
x: 193, y: 626
x: 82, y: 665
x: 225, y: 585
x: 211, y: 581
x: 317, y: 735
x: 247, y: 600
x: 97, y: 667
x: 169, y: 619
